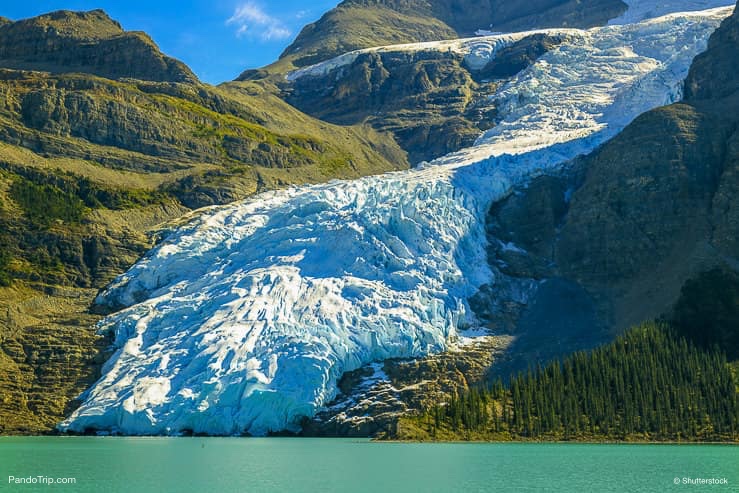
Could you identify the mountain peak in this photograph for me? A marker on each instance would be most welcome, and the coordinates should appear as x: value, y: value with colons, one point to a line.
x: 92, y: 24
x: 90, y: 42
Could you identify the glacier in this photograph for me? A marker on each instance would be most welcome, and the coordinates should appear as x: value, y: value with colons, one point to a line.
x: 243, y: 320
x: 639, y: 10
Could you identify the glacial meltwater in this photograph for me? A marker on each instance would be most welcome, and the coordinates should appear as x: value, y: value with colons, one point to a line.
x: 107, y: 464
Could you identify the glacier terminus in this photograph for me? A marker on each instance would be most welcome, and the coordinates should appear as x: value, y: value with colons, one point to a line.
x: 243, y: 320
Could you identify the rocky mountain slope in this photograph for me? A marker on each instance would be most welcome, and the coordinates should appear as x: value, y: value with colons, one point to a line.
x: 88, y: 42
x: 430, y: 99
x: 434, y: 101
x: 648, y: 211
x: 102, y: 139
x: 655, y: 206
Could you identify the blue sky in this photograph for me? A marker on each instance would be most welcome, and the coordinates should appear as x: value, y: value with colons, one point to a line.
x: 218, y: 39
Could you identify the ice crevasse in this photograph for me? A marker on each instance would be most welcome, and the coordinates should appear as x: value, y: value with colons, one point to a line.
x: 243, y: 320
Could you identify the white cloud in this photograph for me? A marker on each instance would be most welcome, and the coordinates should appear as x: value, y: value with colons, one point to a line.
x: 251, y: 19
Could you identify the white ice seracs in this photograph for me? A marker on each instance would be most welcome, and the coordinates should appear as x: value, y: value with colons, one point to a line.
x: 243, y: 320
x: 476, y: 51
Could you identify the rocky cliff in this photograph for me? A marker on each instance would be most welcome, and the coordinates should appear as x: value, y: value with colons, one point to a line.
x: 656, y: 206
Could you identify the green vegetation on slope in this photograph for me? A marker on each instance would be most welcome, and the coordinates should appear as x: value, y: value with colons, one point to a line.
x: 5, y: 259
x: 181, y: 131
x: 649, y: 384
x: 47, y: 233
x: 44, y: 204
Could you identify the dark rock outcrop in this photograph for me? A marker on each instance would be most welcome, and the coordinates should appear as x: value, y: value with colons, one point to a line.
x: 422, y: 97
x: 713, y: 73
x: 432, y: 101
x: 372, y: 398
x: 658, y: 202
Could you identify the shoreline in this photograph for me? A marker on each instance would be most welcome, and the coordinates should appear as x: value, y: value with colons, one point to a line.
x: 567, y: 442
x: 398, y: 441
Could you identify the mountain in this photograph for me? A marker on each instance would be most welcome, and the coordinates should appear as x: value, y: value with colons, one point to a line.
x: 357, y: 24
x: 88, y: 42
x: 157, y: 118
x: 245, y: 319
x: 552, y: 217
x: 431, y: 100
x: 102, y: 140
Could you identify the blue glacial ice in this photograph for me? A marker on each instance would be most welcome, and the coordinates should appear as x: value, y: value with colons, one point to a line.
x: 243, y: 320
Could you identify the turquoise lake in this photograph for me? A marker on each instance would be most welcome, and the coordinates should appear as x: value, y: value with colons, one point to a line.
x: 107, y: 464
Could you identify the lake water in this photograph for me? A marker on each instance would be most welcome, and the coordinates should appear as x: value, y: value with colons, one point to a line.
x: 107, y: 464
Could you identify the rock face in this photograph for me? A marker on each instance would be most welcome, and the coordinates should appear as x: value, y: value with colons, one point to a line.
x: 652, y: 208
x: 713, y: 75
x: 658, y: 203
x: 373, y: 397
x: 89, y: 42
x: 422, y: 97
x: 646, y: 193
x: 433, y: 101
x: 356, y: 24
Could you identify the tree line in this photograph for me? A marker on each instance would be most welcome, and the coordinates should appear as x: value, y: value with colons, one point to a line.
x: 651, y: 383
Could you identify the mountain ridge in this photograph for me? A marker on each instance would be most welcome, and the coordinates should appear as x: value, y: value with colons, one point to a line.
x: 89, y: 42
